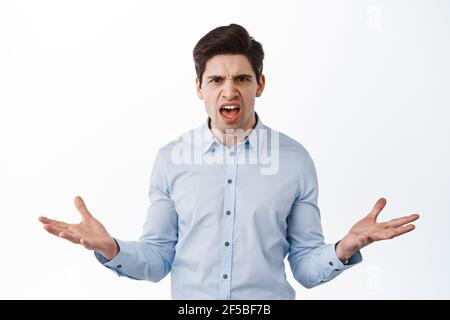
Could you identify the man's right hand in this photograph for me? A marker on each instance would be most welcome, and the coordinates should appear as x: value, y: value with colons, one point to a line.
x: 90, y: 233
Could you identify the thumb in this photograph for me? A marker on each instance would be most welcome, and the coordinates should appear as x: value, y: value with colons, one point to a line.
x: 79, y: 203
x: 379, y: 205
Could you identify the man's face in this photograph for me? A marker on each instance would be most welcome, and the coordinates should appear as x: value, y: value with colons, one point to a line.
x: 229, y: 89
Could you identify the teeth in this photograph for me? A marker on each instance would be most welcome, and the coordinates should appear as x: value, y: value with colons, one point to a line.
x: 230, y: 107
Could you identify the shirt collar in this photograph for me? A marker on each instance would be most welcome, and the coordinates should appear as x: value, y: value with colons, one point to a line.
x: 209, y: 140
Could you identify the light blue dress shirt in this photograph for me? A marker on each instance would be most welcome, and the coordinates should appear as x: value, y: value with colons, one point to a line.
x: 222, y: 220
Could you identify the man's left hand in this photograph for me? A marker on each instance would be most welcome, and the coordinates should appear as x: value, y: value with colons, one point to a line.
x: 368, y: 230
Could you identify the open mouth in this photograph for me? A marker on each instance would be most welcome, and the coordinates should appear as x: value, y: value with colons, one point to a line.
x: 230, y: 112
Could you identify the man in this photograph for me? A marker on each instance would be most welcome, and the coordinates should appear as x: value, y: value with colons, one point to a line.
x: 232, y: 198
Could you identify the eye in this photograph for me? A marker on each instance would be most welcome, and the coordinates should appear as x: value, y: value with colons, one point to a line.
x: 242, y: 78
x: 215, y: 80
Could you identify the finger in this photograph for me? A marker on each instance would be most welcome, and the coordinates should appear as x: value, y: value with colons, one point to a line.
x: 394, y: 223
x: 79, y: 203
x: 54, y: 223
x: 53, y: 230
x: 404, y: 229
x: 379, y: 205
x: 391, y: 233
x: 69, y: 236
x: 86, y: 244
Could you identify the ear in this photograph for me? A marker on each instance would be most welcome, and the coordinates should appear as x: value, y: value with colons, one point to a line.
x: 199, y: 89
x: 262, y: 83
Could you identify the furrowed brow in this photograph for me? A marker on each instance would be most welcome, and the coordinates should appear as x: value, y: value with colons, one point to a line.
x: 214, y: 77
x: 243, y: 75
x: 249, y: 76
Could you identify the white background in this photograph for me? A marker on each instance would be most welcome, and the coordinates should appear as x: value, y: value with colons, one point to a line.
x: 89, y: 90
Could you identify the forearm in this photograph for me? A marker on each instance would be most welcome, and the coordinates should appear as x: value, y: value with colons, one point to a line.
x: 320, y: 265
x: 139, y: 260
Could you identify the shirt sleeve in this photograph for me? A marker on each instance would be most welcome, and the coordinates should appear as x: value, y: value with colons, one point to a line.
x: 150, y: 258
x: 311, y: 260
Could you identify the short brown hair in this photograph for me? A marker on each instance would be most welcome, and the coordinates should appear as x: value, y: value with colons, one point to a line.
x: 232, y: 39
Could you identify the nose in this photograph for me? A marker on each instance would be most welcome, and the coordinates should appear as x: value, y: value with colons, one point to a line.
x: 229, y: 90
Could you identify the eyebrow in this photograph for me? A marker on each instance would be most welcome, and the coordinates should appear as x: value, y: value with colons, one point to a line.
x: 234, y: 77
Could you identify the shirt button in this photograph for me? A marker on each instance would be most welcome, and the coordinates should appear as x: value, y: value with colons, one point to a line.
x: 227, y: 244
x: 230, y: 181
x: 119, y: 266
x: 228, y: 212
x: 225, y: 276
x: 330, y: 263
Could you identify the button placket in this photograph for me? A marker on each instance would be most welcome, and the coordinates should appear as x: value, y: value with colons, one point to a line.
x: 227, y: 229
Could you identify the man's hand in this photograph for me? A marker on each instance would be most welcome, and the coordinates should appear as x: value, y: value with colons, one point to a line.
x: 90, y: 233
x: 368, y: 230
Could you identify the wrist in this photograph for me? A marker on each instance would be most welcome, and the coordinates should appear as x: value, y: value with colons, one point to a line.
x: 111, y: 249
x: 344, y: 251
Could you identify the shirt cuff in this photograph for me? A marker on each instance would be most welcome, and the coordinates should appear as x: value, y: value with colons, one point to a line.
x: 336, y: 265
x: 120, y: 262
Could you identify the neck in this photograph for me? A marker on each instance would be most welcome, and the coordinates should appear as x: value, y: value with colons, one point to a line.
x: 231, y: 136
